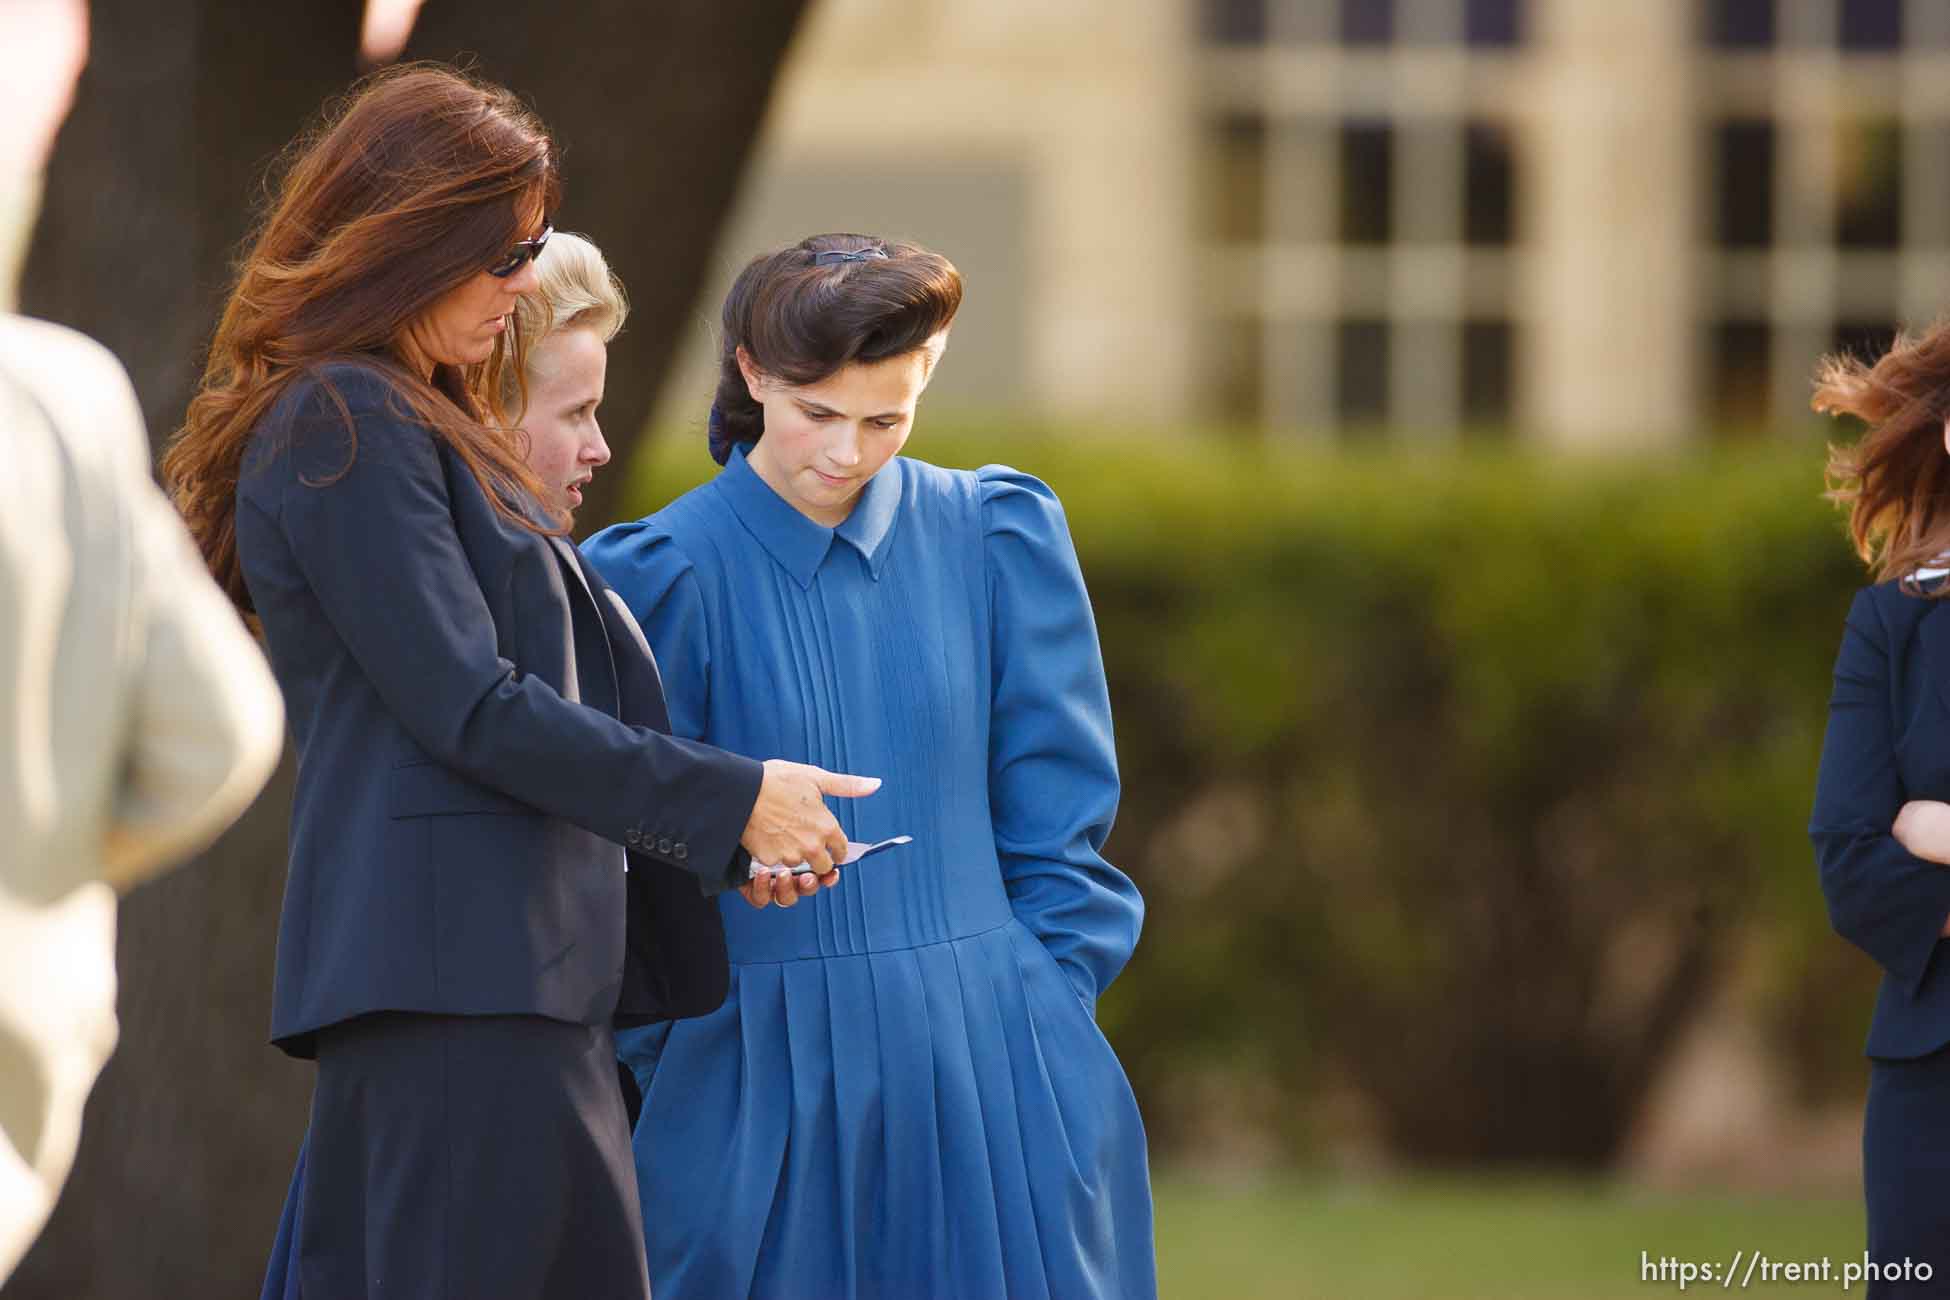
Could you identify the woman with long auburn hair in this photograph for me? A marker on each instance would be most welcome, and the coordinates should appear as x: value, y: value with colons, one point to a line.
x: 488, y: 807
x: 1881, y: 822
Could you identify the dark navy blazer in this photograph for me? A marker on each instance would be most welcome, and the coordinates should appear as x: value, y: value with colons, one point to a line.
x: 1888, y: 742
x: 480, y: 735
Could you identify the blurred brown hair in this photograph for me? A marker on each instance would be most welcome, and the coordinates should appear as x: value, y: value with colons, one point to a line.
x: 418, y: 179
x: 800, y: 321
x: 1895, y: 480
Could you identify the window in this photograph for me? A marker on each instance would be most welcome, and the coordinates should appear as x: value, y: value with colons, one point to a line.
x: 1367, y: 182
x: 1310, y: 212
x: 1233, y: 197
x: 1871, y: 25
x: 1740, y: 24
x: 1865, y: 339
x: 1742, y: 373
x: 1869, y: 184
x: 1488, y: 197
x: 1743, y: 173
x: 1493, y: 22
x: 1487, y: 361
x: 1233, y: 22
x: 1367, y: 22
x: 1361, y: 362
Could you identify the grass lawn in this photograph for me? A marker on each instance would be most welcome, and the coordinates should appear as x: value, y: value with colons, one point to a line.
x: 1428, y: 1239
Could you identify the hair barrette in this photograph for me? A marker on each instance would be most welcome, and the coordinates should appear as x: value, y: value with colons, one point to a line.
x: 828, y: 256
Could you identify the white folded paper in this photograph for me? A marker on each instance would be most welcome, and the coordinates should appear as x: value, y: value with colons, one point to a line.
x: 854, y: 852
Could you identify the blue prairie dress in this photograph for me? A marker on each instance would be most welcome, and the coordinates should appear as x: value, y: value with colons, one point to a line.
x: 906, y: 1093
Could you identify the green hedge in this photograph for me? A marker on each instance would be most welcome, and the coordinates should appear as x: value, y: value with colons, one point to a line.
x: 1454, y: 782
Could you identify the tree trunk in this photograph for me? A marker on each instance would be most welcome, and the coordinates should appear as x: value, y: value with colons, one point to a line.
x: 154, y: 178
x: 655, y: 120
x: 189, y: 1137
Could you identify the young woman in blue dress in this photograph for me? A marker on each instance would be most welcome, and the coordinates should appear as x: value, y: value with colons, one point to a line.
x: 1881, y: 821
x: 905, y: 1092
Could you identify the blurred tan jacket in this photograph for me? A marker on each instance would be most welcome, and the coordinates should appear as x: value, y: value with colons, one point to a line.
x: 137, y: 719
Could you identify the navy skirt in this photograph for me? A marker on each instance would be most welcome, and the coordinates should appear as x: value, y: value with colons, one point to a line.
x: 463, y: 1157
x: 1906, y: 1176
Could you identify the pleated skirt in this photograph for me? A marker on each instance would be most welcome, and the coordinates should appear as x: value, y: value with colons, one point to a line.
x: 938, y: 1121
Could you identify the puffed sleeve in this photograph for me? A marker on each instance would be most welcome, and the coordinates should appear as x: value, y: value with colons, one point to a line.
x: 645, y: 566
x: 1881, y: 897
x: 1052, y: 758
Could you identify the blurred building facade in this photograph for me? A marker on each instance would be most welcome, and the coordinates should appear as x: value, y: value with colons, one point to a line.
x: 1596, y: 223
x: 1044, y: 148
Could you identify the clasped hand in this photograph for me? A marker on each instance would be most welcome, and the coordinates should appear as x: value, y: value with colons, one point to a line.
x: 1923, y: 827
x: 791, y: 826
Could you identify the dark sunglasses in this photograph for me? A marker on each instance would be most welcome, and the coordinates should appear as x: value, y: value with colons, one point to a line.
x: 526, y: 251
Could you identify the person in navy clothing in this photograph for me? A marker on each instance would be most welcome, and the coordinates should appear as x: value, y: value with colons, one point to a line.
x: 905, y: 1092
x: 490, y: 815
x: 1881, y: 822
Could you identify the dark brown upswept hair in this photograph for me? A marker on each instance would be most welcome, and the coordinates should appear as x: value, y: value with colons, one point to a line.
x: 1895, y: 480
x: 801, y: 318
x: 418, y: 179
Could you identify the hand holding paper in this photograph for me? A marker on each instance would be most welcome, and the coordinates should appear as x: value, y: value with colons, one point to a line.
x: 790, y: 822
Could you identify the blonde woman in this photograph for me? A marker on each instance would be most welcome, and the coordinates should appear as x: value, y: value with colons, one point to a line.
x: 575, y: 311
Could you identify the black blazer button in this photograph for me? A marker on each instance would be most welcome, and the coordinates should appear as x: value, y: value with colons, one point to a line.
x: 681, y: 852
x: 663, y: 847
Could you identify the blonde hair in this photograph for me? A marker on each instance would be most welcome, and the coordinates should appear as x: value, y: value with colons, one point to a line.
x: 577, y: 288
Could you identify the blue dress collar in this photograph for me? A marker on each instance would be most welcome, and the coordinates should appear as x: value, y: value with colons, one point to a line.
x: 797, y: 543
